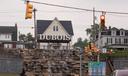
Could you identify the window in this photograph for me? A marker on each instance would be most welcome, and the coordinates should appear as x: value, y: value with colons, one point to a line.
x: 117, y: 40
x: 109, y: 40
x: 125, y: 41
x: 7, y: 36
x: 55, y: 28
x: 7, y: 45
x: 117, y: 32
x: 109, y: 32
x: 126, y: 33
x: 122, y: 33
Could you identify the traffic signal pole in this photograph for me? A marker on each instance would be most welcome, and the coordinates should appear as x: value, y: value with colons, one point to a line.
x: 99, y: 34
x: 94, y: 16
x: 35, y: 25
x: 101, y: 27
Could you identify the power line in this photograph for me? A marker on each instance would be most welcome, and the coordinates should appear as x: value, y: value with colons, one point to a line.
x: 90, y: 10
x: 119, y: 15
x: 61, y: 6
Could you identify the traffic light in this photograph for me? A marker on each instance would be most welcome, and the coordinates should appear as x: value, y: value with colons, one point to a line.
x: 102, y: 21
x: 29, y: 10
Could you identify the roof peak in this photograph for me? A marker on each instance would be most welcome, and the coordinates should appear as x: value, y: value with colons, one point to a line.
x: 54, y: 19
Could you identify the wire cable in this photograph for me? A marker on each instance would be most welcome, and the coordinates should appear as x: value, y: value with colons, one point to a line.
x: 90, y: 10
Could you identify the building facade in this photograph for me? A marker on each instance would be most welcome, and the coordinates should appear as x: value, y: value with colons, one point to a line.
x: 54, y: 34
x: 113, y: 38
x: 8, y: 37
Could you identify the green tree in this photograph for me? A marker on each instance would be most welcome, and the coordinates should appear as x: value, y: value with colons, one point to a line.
x: 81, y: 43
x: 26, y: 38
x: 85, y: 42
x: 22, y: 37
x: 93, y: 31
x: 29, y: 37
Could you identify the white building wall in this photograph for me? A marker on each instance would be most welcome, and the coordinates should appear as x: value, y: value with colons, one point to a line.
x: 5, y: 37
x: 21, y: 46
x: 122, y: 40
x: 117, y: 41
x: 103, y: 41
x: 113, y: 38
x: 8, y: 45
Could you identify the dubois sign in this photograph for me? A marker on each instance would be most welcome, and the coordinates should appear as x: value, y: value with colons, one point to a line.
x: 54, y: 38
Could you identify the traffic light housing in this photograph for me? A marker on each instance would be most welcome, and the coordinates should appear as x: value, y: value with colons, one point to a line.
x: 102, y: 21
x: 29, y: 10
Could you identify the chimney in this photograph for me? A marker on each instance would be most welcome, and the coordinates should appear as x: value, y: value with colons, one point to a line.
x: 15, y: 24
x: 109, y: 27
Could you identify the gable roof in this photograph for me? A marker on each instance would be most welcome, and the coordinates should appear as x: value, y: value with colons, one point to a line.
x: 7, y: 29
x: 42, y: 25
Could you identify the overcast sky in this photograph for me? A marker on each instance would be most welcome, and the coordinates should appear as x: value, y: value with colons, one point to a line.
x: 13, y: 11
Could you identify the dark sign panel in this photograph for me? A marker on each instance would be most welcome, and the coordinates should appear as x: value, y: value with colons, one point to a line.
x: 54, y: 38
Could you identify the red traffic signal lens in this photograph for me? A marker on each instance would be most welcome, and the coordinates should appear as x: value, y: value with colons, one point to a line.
x: 102, y: 17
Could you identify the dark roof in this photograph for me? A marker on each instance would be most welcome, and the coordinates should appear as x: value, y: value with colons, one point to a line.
x: 10, y: 29
x: 11, y: 42
x: 7, y: 29
x: 114, y: 28
x: 42, y: 25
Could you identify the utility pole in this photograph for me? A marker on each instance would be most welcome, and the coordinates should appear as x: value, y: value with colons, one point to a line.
x: 81, y: 52
x: 35, y: 25
x: 93, y: 16
x: 99, y: 34
x: 101, y: 26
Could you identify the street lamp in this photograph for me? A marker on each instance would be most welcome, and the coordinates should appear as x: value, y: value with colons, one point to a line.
x: 81, y: 52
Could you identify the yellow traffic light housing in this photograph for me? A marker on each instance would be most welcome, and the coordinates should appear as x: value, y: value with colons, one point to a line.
x: 29, y: 10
